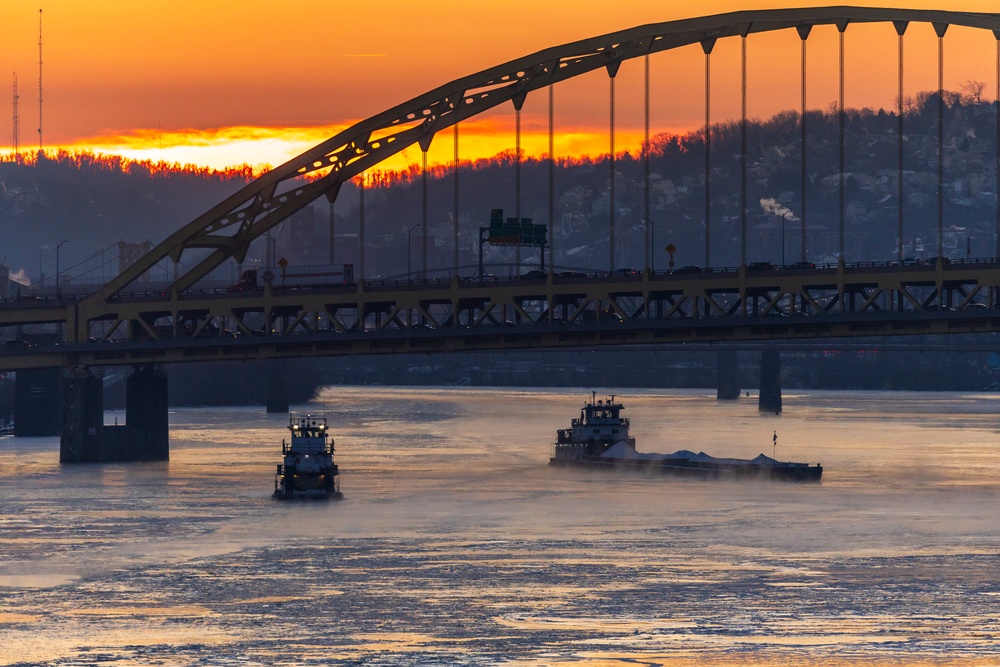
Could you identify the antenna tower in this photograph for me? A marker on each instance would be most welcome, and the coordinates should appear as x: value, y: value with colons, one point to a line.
x: 17, y: 125
x: 39, y: 82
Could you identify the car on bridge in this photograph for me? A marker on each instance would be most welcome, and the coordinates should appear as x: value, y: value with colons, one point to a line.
x: 486, y: 277
x: 761, y: 266
x: 690, y: 268
x: 248, y: 282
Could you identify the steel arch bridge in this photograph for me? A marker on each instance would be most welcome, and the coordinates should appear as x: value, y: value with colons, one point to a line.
x: 653, y: 308
x: 229, y: 228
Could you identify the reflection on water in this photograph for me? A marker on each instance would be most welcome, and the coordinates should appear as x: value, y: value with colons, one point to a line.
x: 458, y: 544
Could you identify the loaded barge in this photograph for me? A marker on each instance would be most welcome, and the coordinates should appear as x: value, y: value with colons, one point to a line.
x: 600, y: 439
x: 308, y: 470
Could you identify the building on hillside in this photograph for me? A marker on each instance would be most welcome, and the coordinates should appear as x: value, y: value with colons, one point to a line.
x: 130, y: 253
x: 303, y: 241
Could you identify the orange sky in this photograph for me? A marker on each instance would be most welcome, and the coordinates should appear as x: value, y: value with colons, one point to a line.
x: 224, y: 82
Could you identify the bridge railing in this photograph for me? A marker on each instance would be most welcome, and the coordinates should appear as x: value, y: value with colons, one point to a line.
x: 161, y: 293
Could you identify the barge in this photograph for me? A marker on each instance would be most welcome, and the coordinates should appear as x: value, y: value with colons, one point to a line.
x: 308, y: 469
x: 600, y: 438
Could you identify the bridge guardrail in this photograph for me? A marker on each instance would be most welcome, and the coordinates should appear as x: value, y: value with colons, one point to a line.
x: 162, y: 294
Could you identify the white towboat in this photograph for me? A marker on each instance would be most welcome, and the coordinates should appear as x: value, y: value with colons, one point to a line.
x: 600, y: 439
x: 308, y: 470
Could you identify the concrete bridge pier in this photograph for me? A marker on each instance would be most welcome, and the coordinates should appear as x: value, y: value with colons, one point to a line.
x: 38, y: 403
x: 146, y: 414
x: 143, y: 437
x: 729, y: 376
x: 277, y: 387
x: 83, y: 417
x: 770, y: 382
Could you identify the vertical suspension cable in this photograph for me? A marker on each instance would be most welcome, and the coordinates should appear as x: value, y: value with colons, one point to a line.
x: 423, y: 219
x: 900, y: 29
x: 940, y: 29
x: 454, y: 206
x: 361, y: 226
x: 611, y: 168
x: 40, y: 83
x: 552, y: 176
x: 645, y: 164
x: 15, y: 135
x: 517, y: 181
x: 743, y: 152
x: 333, y: 230
x: 708, y: 160
x: 707, y: 46
x: 996, y: 250
x: 842, y: 27
x: 803, y: 31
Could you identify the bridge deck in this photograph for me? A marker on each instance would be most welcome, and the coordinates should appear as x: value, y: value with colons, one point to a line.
x: 585, y: 310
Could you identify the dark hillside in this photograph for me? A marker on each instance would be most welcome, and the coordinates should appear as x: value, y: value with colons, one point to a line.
x: 95, y: 201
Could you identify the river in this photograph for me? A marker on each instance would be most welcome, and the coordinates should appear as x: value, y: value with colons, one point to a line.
x: 457, y: 544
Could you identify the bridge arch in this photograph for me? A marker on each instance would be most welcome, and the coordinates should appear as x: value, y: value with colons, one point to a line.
x: 228, y: 228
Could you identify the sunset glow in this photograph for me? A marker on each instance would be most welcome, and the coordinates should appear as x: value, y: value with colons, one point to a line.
x: 225, y: 147
x: 224, y: 84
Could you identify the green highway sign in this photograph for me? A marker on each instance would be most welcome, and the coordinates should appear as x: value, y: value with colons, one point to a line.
x: 511, y: 231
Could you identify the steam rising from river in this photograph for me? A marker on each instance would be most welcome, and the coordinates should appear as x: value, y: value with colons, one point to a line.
x: 457, y: 544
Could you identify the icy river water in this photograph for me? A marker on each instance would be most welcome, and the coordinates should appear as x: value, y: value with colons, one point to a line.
x: 457, y: 544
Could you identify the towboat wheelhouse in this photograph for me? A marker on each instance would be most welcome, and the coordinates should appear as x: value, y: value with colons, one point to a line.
x: 308, y: 470
x: 599, y: 427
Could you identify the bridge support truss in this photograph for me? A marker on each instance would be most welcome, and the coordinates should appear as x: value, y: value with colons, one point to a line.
x: 555, y: 312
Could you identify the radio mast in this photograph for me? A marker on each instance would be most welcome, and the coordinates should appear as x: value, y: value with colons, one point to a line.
x: 17, y: 128
x: 39, y: 82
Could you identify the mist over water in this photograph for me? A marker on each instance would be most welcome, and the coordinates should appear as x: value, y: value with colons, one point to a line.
x: 458, y: 544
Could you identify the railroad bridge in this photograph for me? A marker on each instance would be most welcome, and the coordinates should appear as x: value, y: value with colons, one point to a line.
x: 129, y: 322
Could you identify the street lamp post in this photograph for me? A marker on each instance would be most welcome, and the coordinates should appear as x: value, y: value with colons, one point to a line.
x: 409, y: 232
x: 58, y: 286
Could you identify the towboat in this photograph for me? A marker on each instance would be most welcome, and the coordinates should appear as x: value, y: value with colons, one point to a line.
x: 600, y: 438
x: 308, y: 470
